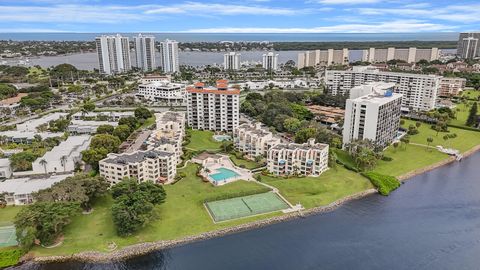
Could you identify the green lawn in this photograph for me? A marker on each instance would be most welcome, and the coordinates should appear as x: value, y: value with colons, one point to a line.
x: 462, y: 111
x: 345, y: 158
x: 182, y: 214
x: 408, y: 159
x: 464, y: 141
x: 248, y: 164
x: 148, y: 122
x: 7, y: 214
x: 332, y: 185
x: 471, y: 94
x: 202, y: 140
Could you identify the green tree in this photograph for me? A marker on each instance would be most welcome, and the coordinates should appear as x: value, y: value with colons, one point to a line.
x: 304, y: 134
x: 89, y: 106
x: 43, y: 162
x: 80, y: 188
x: 292, y: 124
x: 429, y: 141
x: 106, y: 141
x: 143, y: 113
x: 130, y: 121
x: 105, y: 129
x: 134, y: 204
x: 22, y: 161
x: 43, y: 221
x: 472, y: 116
x: 122, y: 132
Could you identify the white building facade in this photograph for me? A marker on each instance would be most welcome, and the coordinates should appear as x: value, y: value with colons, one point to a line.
x: 254, y: 140
x: 270, y: 61
x: 169, y: 56
x: 468, y: 45
x: 113, y: 54
x: 323, y: 58
x: 409, y: 55
x: 212, y: 108
x: 145, y: 52
x: 231, y: 61
x: 451, y: 86
x: 309, y: 159
x: 156, y: 166
x: 169, y: 133
x: 374, y: 116
x: 163, y: 91
x: 419, y: 91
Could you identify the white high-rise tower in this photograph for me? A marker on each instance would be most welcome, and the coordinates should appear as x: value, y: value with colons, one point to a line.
x: 231, y: 61
x: 145, y: 52
x: 113, y: 54
x: 169, y: 56
x: 270, y: 61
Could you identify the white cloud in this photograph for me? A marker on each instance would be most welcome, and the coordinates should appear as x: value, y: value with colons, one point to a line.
x: 400, y: 26
x: 458, y: 13
x: 347, y: 2
x: 197, y: 8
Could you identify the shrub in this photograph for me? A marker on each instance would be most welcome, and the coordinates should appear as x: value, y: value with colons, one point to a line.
x: 351, y: 168
x: 384, y: 183
x: 9, y: 257
x: 387, y: 158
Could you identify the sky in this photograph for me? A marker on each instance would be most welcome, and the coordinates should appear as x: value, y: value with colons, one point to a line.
x: 234, y: 16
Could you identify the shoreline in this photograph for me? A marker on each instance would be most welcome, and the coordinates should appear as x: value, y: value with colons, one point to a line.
x: 148, y: 247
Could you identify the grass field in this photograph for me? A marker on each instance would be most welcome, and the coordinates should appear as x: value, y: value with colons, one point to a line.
x: 7, y: 215
x: 202, y: 140
x: 332, y: 185
x: 464, y: 141
x: 408, y: 159
x: 248, y: 164
x: 245, y: 206
x: 182, y: 214
x: 462, y: 111
x: 471, y: 94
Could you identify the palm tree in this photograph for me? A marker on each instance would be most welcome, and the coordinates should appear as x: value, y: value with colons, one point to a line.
x: 43, y: 162
x: 429, y: 141
x: 63, y: 161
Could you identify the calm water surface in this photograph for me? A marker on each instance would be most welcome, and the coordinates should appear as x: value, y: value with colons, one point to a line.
x: 431, y: 222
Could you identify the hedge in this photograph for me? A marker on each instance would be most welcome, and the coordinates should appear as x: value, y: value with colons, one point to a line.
x: 464, y: 127
x: 9, y: 257
x: 384, y: 183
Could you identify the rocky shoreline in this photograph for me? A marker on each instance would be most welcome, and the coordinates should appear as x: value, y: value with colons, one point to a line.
x: 148, y: 247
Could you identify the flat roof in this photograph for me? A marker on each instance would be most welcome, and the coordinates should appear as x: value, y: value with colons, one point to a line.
x: 136, y: 157
x: 29, y: 185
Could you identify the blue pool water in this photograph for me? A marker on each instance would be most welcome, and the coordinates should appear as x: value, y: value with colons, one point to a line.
x: 223, y: 174
x: 221, y: 138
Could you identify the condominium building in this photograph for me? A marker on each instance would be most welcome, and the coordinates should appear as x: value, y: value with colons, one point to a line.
x: 468, y: 46
x: 162, y: 91
x: 113, y: 54
x: 419, y: 91
x: 169, y: 133
x: 450, y: 87
x: 213, y: 108
x: 374, y: 116
x: 145, y: 52
x: 254, y: 140
x: 19, y: 191
x: 169, y: 56
x: 409, y: 55
x: 323, y: 58
x: 270, y: 61
x: 309, y: 159
x: 153, y: 165
x: 231, y: 61
x: 63, y: 157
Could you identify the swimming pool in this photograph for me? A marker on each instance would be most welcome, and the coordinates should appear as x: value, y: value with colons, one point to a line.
x: 221, y: 138
x: 223, y: 174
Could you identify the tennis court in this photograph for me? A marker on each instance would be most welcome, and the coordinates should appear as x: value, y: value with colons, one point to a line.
x: 245, y: 206
x: 7, y: 236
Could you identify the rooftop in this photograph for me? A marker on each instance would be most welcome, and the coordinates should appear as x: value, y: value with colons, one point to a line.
x: 28, y: 185
x: 135, y: 157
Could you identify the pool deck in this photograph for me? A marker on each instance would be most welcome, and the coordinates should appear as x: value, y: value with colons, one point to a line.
x: 211, y: 165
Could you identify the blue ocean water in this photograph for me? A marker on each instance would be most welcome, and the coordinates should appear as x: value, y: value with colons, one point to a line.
x: 207, y: 37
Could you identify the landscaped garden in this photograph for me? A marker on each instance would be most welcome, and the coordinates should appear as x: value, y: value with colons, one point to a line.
x: 465, y: 139
x: 202, y: 140
x: 182, y: 214
x: 332, y: 185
